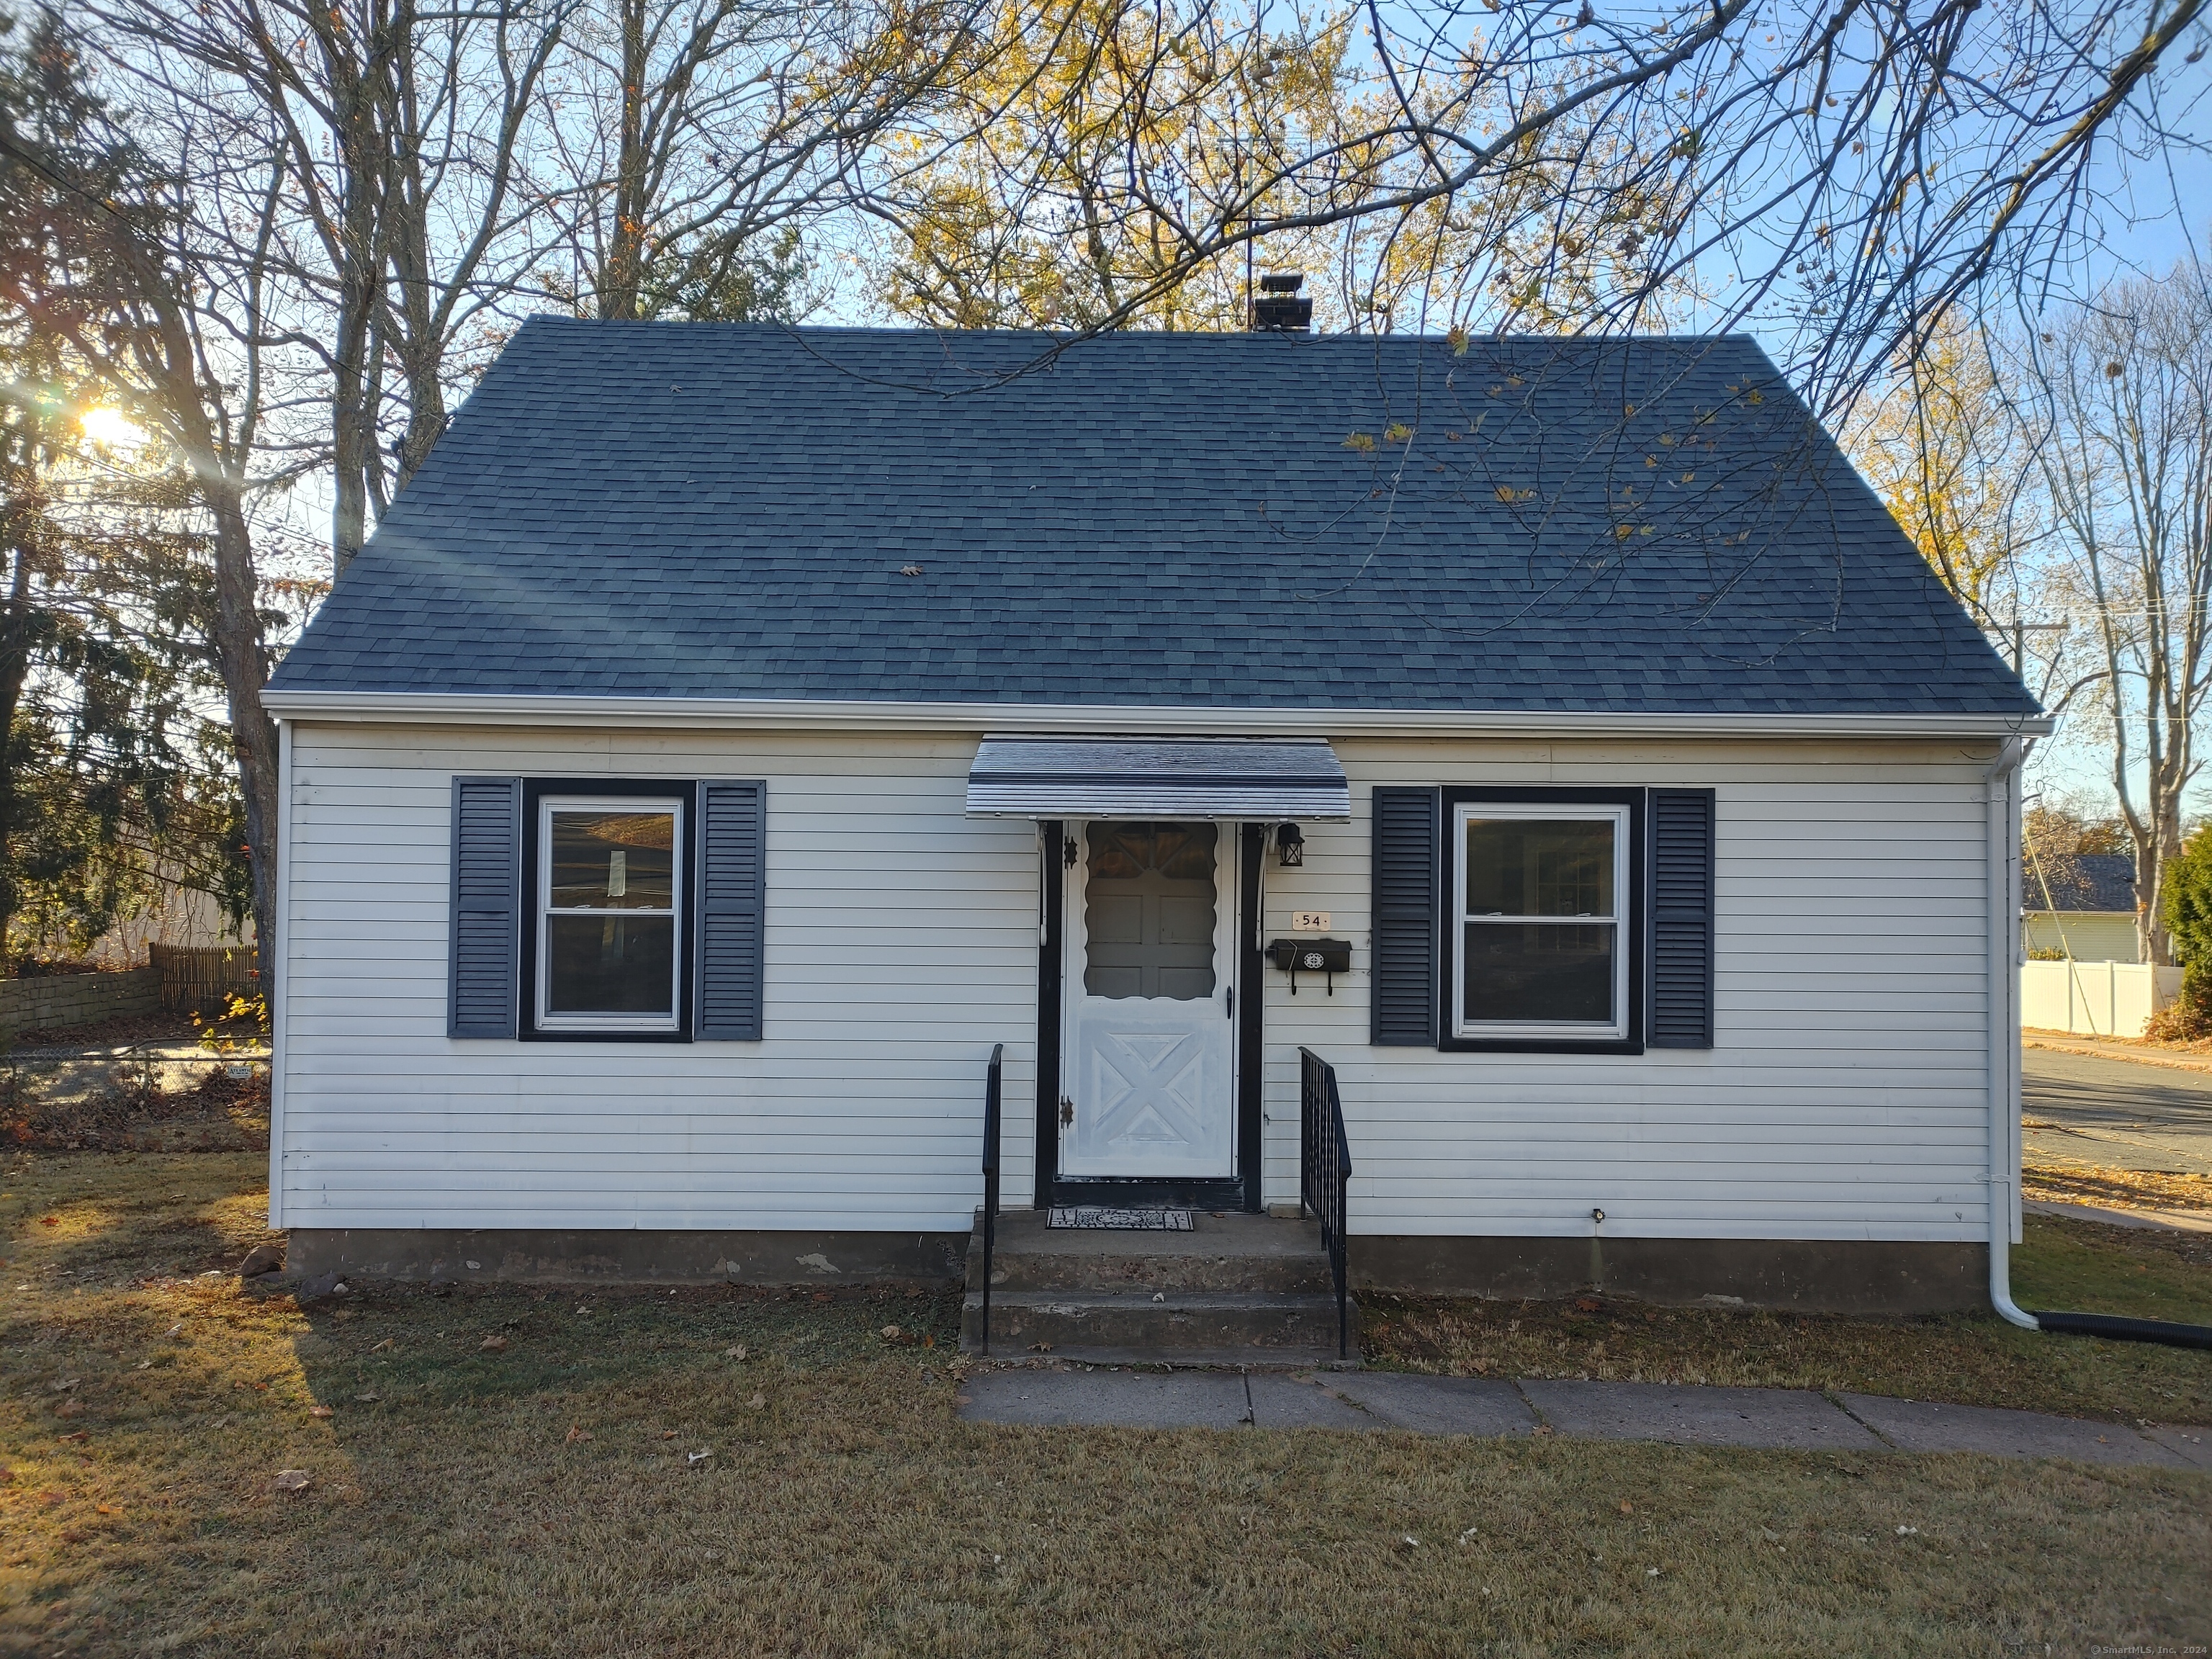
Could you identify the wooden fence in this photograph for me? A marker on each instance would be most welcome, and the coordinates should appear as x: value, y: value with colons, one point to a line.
x: 200, y: 978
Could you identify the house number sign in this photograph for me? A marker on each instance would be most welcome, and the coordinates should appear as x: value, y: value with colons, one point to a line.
x: 1309, y: 922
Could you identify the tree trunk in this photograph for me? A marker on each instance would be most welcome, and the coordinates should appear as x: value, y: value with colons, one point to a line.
x: 625, y: 267
x: 14, y: 670
x: 245, y: 667
x: 169, y: 365
x: 355, y: 66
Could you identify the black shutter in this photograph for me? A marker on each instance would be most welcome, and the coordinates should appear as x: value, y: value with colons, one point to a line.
x: 1681, y: 919
x: 1406, y: 873
x: 732, y: 886
x: 484, y: 942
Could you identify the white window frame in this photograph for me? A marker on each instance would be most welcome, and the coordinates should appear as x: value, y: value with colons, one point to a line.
x: 542, y: 898
x: 1568, y: 1030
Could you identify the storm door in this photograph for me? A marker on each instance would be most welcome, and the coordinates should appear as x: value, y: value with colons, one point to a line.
x: 1148, y: 1082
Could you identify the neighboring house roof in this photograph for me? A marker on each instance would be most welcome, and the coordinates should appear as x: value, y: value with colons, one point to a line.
x: 2079, y: 881
x: 714, y: 510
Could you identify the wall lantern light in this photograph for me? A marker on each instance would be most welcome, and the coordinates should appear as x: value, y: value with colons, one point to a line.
x: 1290, y: 845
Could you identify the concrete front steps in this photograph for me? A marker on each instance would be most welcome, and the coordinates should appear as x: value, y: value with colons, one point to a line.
x: 1240, y: 1290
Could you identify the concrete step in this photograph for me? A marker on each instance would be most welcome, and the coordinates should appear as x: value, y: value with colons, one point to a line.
x: 1232, y: 1252
x: 1186, y: 1326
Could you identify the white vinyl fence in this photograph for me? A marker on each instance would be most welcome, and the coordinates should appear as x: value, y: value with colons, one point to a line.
x: 2095, y: 998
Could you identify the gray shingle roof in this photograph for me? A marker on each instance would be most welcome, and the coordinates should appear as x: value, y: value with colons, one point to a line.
x: 724, y: 510
x: 2079, y: 881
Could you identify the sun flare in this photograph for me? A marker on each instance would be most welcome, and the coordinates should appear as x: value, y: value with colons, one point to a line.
x: 110, y: 426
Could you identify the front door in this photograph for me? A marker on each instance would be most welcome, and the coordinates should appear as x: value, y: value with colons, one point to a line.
x: 1148, y: 1083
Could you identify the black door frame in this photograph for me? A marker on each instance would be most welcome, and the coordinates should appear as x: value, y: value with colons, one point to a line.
x: 1241, y: 1191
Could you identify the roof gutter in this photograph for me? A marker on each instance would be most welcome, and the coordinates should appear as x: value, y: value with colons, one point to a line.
x: 742, y: 714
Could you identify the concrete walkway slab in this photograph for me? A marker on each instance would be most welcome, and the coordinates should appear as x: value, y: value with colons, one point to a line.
x: 2177, y: 1221
x: 2192, y: 1446
x: 1123, y: 1400
x: 1783, y: 1418
x: 1284, y: 1400
x: 1916, y: 1425
x: 1439, y: 1405
x: 1753, y: 1419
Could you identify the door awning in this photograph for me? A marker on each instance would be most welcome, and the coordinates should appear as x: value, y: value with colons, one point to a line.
x: 1022, y: 777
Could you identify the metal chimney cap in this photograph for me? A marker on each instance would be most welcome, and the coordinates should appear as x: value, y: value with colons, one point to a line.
x: 1282, y: 282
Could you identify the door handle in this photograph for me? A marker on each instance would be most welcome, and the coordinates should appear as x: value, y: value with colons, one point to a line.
x: 1066, y: 1111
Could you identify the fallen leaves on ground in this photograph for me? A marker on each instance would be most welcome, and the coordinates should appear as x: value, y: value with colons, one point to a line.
x: 2069, y: 1182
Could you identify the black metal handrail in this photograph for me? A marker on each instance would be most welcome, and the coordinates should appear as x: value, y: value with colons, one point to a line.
x: 1325, y: 1171
x: 990, y: 1180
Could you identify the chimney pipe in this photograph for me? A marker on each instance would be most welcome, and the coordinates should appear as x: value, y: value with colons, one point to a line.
x: 1281, y: 309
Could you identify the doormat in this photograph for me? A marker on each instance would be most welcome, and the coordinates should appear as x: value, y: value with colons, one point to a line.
x: 1103, y: 1217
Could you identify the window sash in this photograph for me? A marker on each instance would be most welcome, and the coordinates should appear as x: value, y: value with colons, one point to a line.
x: 1616, y: 1029
x: 547, y: 1020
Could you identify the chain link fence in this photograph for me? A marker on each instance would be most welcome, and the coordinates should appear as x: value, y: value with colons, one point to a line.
x: 146, y: 1097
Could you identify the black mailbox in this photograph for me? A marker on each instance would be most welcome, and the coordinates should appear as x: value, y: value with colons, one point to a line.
x: 1331, y: 956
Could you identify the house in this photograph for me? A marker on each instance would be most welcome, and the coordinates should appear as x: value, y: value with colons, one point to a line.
x: 735, y: 736
x: 2079, y: 907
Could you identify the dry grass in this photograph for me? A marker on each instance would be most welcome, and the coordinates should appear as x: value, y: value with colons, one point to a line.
x: 1972, y: 1359
x: 844, y: 1511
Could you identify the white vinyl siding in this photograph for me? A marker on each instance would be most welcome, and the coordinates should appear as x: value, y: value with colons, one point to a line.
x: 2084, y: 935
x: 1845, y: 1097
x: 902, y: 941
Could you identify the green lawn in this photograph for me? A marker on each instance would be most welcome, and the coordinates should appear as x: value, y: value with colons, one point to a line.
x: 537, y: 1497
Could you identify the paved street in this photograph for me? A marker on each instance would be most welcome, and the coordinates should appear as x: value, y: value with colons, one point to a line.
x: 2117, y: 1113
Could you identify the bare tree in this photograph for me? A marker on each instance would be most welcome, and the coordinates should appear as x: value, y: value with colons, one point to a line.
x: 147, y: 311
x: 401, y: 210
x: 2125, y: 454
x: 696, y: 139
x: 1842, y: 173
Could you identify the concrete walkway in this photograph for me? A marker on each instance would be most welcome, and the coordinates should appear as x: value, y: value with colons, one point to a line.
x: 2169, y: 1221
x: 1770, y: 1419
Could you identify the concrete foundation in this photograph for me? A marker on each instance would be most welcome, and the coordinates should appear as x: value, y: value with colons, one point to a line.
x: 1811, y: 1276
x: 1846, y: 1276
x: 632, y: 1257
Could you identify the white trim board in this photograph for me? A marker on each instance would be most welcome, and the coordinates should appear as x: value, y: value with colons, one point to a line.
x: 449, y: 709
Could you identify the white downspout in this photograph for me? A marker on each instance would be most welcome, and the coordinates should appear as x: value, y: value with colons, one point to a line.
x: 273, y: 953
x: 2002, y: 803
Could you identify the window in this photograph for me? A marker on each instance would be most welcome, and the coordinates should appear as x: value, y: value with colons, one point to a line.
x: 1149, y: 911
x: 608, y: 894
x: 1540, y: 895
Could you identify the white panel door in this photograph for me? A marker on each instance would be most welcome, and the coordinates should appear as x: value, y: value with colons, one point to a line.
x: 1148, y: 1079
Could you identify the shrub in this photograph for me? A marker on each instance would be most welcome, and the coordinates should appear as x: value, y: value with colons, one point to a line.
x: 2187, y: 904
x: 2187, y: 900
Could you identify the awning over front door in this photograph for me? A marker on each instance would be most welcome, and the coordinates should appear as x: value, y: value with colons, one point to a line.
x: 1157, y: 778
